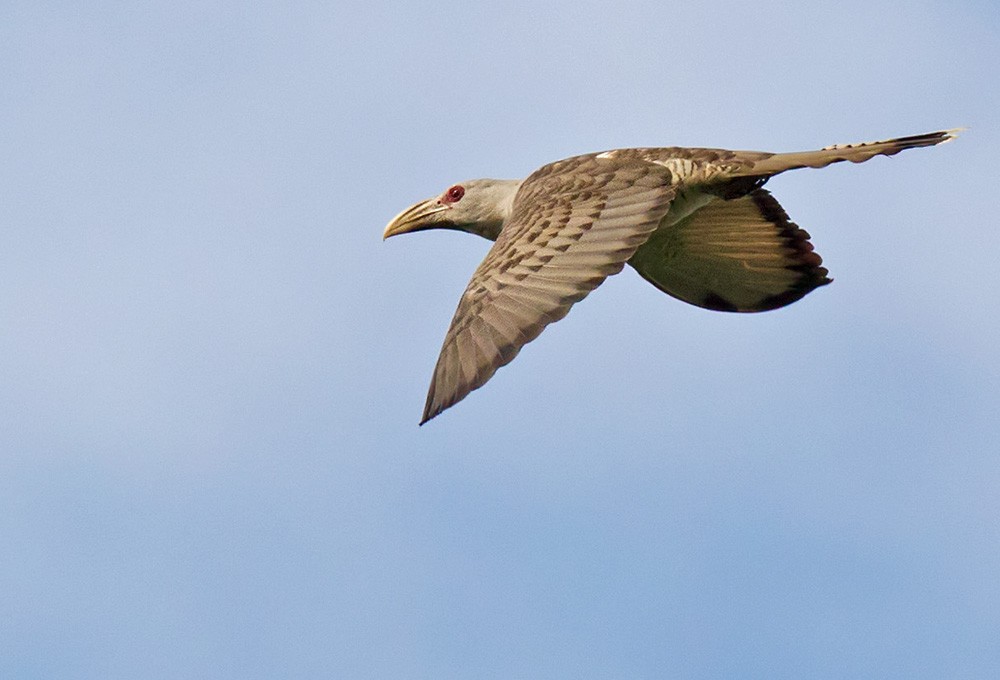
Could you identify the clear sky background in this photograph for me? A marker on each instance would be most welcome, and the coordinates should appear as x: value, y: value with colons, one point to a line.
x: 212, y: 367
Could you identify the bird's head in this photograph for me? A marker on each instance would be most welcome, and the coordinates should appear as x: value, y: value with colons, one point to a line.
x: 478, y: 206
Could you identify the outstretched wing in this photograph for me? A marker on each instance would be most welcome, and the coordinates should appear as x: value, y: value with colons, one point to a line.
x: 737, y: 255
x: 574, y: 223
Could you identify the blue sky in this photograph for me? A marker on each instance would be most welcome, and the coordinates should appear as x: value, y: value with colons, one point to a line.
x: 212, y: 367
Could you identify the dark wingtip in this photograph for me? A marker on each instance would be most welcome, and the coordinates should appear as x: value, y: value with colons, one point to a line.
x: 428, y: 414
x: 431, y: 408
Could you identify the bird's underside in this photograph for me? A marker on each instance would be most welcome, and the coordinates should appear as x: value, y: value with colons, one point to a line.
x: 693, y: 222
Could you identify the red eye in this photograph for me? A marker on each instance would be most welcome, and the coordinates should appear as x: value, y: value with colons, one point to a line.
x: 454, y: 194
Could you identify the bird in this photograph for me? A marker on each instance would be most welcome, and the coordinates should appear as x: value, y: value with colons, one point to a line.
x: 694, y: 222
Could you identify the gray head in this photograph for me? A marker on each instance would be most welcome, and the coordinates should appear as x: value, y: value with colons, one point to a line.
x: 479, y: 206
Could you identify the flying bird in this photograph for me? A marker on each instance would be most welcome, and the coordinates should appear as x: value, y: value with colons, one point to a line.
x: 693, y: 222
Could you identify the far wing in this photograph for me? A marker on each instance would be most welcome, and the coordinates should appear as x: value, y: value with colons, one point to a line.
x: 575, y: 222
x: 737, y: 255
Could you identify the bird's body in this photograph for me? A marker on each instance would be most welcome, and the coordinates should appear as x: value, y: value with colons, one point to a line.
x: 693, y: 222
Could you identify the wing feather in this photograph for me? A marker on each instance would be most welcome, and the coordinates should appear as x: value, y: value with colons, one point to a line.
x: 574, y: 223
x: 738, y: 255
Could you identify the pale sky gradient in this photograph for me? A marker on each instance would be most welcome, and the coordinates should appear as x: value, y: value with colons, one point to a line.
x: 212, y: 367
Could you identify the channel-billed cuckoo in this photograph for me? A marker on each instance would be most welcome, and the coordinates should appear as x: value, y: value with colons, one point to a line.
x: 693, y: 222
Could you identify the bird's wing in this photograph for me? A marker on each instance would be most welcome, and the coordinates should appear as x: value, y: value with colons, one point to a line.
x: 737, y: 255
x: 574, y: 223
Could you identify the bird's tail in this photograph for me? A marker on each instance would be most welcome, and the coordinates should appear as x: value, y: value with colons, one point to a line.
x: 856, y: 153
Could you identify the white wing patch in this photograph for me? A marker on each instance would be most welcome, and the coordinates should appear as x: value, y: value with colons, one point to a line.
x: 679, y: 167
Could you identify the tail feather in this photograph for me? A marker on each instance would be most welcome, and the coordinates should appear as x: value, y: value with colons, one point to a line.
x: 855, y: 153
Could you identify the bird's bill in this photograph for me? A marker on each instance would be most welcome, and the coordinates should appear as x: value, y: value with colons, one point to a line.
x: 416, y: 217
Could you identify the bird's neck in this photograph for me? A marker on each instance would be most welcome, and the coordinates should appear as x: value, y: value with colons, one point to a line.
x: 501, y: 207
